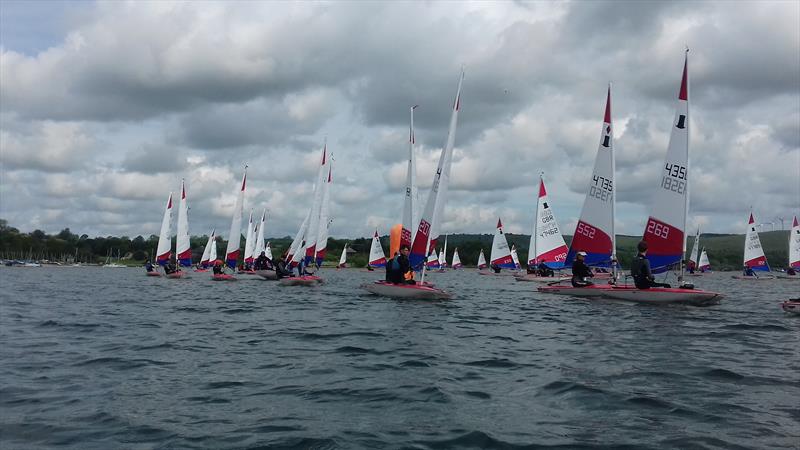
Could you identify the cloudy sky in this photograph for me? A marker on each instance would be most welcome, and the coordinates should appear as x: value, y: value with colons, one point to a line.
x: 105, y: 106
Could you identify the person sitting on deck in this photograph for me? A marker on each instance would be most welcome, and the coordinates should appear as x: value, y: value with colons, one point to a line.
x: 580, y: 271
x: 791, y: 271
x: 217, y: 267
x: 748, y: 271
x: 170, y: 267
x: 398, y: 267
x: 148, y: 266
x: 640, y: 269
x: 496, y: 268
x: 544, y: 270
x: 262, y: 262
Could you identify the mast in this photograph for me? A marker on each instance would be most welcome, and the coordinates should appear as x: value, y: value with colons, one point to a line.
x: 613, y: 189
x: 688, y: 154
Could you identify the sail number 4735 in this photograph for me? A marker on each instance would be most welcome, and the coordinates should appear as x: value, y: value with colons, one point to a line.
x: 602, y: 188
x: 675, y: 178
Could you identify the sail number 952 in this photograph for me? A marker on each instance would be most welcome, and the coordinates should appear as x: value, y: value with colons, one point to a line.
x: 675, y: 178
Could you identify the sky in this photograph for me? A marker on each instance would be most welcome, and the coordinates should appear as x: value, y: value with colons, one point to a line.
x: 106, y: 106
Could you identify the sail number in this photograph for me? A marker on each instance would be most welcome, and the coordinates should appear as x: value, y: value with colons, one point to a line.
x: 602, y: 188
x: 561, y: 257
x: 675, y: 179
x: 424, y: 227
x: 586, y: 230
x: 657, y: 229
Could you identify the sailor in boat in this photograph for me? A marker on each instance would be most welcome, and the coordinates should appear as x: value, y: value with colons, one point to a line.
x: 171, y: 267
x: 148, y: 266
x: 397, y: 268
x: 580, y: 271
x: 263, y: 263
x: 545, y: 271
x: 690, y: 266
x: 496, y: 268
x: 218, y: 270
x: 748, y: 272
x: 791, y: 271
x: 640, y: 270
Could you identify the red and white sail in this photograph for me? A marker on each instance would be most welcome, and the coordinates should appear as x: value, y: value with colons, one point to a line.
x: 457, y: 260
x: 324, y: 220
x: 235, y: 233
x: 343, y: 259
x: 316, y: 205
x: 259, y: 244
x: 594, y: 233
x: 547, y: 243
x: 410, y: 219
x: 428, y: 230
x: 703, y: 264
x: 249, y: 241
x: 794, y: 245
x: 481, y: 261
x: 164, y: 248
x: 376, y: 256
x: 501, y: 254
x: 433, y: 260
x: 754, y: 257
x: 182, y: 246
x: 206, y: 260
x: 665, y: 232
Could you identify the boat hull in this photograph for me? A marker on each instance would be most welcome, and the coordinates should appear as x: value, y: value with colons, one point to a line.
x: 753, y: 278
x: 175, y: 275
x: 538, y: 279
x: 306, y: 280
x: 655, y: 295
x: 223, y: 277
x: 789, y: 277
x: 153, y: 274
x: 791, y: 307
x: 424, y: 291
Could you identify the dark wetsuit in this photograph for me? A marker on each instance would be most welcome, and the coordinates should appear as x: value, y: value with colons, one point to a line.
x: 580, y: 271
x: 642, y: 275
x: 397, y: 275
x: 217, y: 269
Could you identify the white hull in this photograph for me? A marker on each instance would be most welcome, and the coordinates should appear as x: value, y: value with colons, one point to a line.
x: 424, y: 292
x: 753, y: 278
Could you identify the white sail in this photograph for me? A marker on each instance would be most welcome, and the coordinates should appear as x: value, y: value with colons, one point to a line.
x: 456, y: 259
x: 410, y: 219
x: 433, y: 259
x: 212, y: 254
x: 594, y: 233
x: 703, y: 265
x: 206, y: 258
x: 515, y: 257
x: 343, y: 258
x: 182, y: 246
x: 324, y: 219
x: 547, y: 243
x: 164, y: 248
x: 693, y: 258
x: 754, y: 257
x: 501, y: 254
x: 376, y: 256
x: 428, y: 230
x: 297, y: 243
x: 481, y: 261
x: 235, y: 233
x: 249, y: 240
x: 314, y: 223
x: 259, y: 244
x: 268, y: 251
x: 443, y: 255
x: 794, y: 245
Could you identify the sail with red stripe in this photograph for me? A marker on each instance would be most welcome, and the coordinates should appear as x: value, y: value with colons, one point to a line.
x: 164, y: 248
x: 433, y: 260
x: 376, y: 256
x: 794, y: 245
x: 547, y: 244
x: 206, y: 260
x: 665, y: 232
x: 754, y: 257
x: 594, y: 233
x: 501, y: 254
x: 182, y: 245
x: 235, y: 233
x: 428, y: 229
x: 703, y: 264
x: 314, y: 223
x: 481, y: 261
x: 249, y: 241
x: 456, y: 264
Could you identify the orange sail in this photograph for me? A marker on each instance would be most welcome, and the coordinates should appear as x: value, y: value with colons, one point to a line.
x: 394, y: 239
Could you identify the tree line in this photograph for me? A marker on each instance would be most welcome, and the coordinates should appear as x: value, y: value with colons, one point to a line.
x: 724, y: 250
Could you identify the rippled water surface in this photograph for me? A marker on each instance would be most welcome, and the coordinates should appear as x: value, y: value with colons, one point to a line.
x: 95, y: 358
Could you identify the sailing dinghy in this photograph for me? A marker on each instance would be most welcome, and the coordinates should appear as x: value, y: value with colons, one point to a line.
x: 754, y: 259
x: 164, y: 248
x: 376, y: 256
x: 206, y: 260
x: 261, y: 248
x: 427, y: 231
x: 500, y: 257
x: 704, y: 265
x: 547, y: 244
x: 481, y: 261
x: 234, y: 235
x: 456, y: 263
x: 343, y: 259
x: 183, y: 248
x: 793, y: 272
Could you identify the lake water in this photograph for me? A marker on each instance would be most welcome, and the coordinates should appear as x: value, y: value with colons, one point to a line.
x: 94, y: 358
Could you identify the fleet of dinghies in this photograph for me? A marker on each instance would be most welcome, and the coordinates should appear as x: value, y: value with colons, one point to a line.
x: 419, y: 230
